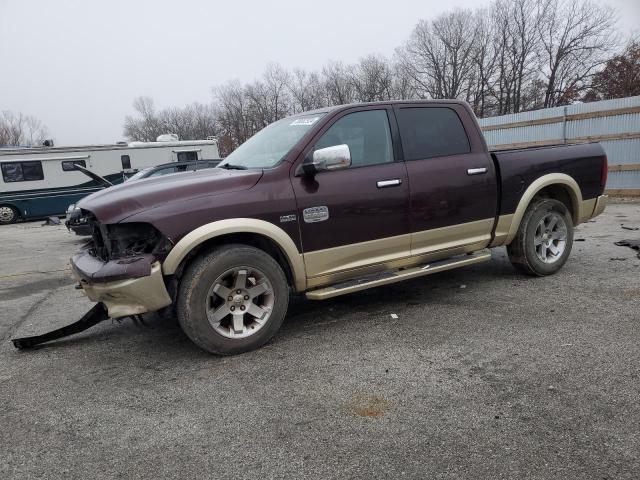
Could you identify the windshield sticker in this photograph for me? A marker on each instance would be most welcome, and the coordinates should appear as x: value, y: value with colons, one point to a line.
x: 305, y: 121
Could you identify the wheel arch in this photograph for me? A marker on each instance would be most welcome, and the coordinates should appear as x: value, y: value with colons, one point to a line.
x: 264, y: 235
x: 554, y: 185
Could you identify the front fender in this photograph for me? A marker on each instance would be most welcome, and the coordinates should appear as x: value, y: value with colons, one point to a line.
x: 238, y: 225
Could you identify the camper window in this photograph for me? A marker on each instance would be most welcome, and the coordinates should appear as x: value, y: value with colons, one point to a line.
x: 126, y: 162
x: 68, y: 166
x: 22, y: 171
x: 187, y: 156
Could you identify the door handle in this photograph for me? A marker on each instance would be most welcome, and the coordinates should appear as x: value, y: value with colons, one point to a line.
x: 388, y: 183
x: 476, y: 171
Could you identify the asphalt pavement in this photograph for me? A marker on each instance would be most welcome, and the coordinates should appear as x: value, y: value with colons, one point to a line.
x: 484, y: 373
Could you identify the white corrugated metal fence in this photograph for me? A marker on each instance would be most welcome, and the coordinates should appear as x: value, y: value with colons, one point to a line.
x: 613, y: 123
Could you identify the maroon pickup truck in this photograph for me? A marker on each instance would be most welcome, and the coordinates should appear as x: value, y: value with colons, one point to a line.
x: 330, y: 202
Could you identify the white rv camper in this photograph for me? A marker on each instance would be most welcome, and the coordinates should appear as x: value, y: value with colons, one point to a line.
x: 39, y: 182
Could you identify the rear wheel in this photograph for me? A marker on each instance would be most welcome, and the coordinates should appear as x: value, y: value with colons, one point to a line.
x: 544, y: 239
x: 232, y: 300
x: 8, y: 214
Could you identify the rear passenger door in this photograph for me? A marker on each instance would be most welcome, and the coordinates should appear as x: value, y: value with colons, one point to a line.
x: 452, y: 182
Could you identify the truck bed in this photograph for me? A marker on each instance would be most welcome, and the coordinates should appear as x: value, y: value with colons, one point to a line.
x: 518, y: 168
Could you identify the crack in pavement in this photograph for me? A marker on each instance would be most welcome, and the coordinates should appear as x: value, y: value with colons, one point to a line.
x: 13, y: 328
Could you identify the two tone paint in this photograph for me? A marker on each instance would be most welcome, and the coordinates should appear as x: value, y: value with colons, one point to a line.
x: 436, y: 210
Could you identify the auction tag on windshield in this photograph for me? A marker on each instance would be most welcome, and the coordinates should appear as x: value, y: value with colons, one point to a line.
x: 305, y: 121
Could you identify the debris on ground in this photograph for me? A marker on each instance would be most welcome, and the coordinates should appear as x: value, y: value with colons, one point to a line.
x: 579, y: 240
x: 630, y: 228
x: 463, y: 286
x: 394, y: 316
x: 635, y: 244
x: 619, y: 259
x: 51, y: 221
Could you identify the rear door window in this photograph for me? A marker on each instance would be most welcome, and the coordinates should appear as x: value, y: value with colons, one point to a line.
x: 431, y: 132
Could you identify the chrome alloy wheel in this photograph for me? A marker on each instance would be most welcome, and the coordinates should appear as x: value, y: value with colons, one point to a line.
x: 550, y: 239
x: 240, y: 302
x: 7, y: 214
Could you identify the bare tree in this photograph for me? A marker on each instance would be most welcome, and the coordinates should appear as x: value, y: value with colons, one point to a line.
x: 337, y: 84
x: 233, y: 116
x: 193, y: 122
x: 146, y: 127
x: 439, y: 55
x: 268, y: 97
x: 482, y: 79
x: 516, y: 45
x: 372, y: 79
x: 402, y: 87
x: 576, y: 36
x: 306, y: 91
x: 21, y: 130
x: 514, y: 55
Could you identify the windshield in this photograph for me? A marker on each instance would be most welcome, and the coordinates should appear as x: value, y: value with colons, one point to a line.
x: 269, y: 146
x: 139, y: 174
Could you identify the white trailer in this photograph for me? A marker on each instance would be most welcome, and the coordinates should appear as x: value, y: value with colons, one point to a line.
x: 39, y: 182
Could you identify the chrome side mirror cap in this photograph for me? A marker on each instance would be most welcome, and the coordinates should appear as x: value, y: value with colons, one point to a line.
x: 337, y: 157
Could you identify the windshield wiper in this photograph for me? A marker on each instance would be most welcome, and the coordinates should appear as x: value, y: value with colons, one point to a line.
x: 230, y: 166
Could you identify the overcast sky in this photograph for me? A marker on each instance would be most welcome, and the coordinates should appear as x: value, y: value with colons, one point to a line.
x: 77, y: 65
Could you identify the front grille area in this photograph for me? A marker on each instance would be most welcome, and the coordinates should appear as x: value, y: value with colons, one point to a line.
x: 121, y: 240
x: 98, y: 242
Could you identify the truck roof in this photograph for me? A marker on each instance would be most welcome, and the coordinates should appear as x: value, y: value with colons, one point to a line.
x: 335, y: 108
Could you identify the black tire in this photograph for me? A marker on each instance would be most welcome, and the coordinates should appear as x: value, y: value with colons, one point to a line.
x: 194, y: 298
x: 8, y: 214
x: 523, y: 252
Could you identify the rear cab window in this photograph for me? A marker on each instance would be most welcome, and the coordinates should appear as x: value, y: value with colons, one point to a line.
x: 431, y: 132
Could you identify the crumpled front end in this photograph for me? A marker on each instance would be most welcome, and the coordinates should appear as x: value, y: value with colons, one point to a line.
x: 121, y: 267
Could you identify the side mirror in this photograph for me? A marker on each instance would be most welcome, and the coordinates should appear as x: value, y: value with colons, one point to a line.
x: 337, y: 157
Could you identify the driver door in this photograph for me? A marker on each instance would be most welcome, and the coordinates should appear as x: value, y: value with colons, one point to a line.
x: 356, y: 219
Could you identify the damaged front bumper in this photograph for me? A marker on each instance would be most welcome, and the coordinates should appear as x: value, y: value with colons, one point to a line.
x: 128, y: 286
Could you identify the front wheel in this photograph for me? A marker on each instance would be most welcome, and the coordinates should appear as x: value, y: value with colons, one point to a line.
x: 544, y: 239
x: 232, y: 299
x: 8, y: 214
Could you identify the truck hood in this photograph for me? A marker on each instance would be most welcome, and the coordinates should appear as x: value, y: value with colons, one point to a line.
x: 114, y: 204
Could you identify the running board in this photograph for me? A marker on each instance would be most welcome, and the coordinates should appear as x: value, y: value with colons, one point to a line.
x: 393, y: 276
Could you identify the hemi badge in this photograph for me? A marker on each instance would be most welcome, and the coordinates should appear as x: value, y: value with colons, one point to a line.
x: 288, y: 218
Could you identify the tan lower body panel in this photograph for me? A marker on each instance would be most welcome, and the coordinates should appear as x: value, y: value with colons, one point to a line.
x: 350, y: 257
x: 601, y: 203
x: 450, y: 237
x: 586, y: 209
x: 333, y: 265
x: 400, y: 275
x: 502, y: 230
x: 130, y: 297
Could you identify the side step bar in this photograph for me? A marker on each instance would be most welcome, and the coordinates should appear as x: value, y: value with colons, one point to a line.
x: 393, y: 276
